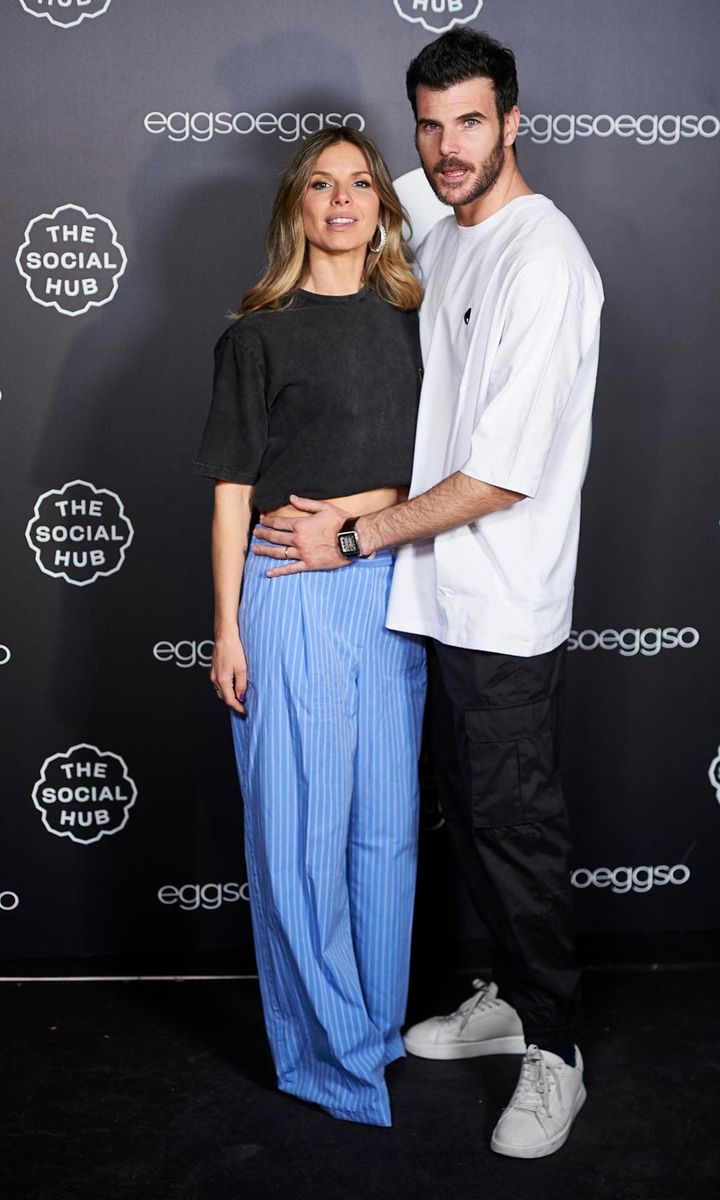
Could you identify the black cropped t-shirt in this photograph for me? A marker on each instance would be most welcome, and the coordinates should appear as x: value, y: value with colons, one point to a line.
x: 319, y: 399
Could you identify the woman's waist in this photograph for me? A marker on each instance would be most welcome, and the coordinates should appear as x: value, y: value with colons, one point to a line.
x: 357, y: 505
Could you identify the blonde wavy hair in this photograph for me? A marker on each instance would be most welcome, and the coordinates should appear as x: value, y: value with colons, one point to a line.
x: 388, y: 273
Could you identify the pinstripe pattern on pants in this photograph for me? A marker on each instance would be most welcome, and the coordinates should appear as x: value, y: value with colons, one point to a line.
x: 327, y: 760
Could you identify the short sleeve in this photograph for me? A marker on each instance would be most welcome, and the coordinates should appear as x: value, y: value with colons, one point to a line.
x: 236, y: 430
x: 548, y: 331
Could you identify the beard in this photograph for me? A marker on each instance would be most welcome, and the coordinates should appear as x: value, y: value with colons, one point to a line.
x: 484, y: 176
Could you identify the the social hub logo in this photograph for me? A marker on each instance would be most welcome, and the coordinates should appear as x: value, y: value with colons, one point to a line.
x: 71, y: 260
x: 437, y: 16
x: 79, y: 532
x: 84, y: 794
x: 66, y: 13
x: 714, y: 774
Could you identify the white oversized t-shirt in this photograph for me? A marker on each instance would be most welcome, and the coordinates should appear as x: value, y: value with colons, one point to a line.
x: 510, y: 328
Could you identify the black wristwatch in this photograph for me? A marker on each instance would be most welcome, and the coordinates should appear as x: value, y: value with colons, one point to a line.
x: 348, y: 540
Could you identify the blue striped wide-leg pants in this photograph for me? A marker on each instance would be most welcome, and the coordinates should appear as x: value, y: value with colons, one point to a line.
x: 327, y: 759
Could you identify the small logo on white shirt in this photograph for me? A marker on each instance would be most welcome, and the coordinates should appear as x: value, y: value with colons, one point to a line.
x: 466, y: 318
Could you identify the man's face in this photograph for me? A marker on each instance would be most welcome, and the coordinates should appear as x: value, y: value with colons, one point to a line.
x: 460, y: 139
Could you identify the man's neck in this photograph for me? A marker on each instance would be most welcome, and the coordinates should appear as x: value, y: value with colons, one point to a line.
x: 508, y: 186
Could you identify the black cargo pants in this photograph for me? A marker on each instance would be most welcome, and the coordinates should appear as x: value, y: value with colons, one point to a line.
x: 495, y: 747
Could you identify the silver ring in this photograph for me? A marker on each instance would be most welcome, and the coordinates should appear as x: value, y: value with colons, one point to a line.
x: 286, y: 551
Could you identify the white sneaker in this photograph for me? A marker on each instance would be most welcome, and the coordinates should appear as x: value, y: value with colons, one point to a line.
x: 548, y: 1097
x: 482, y: 1025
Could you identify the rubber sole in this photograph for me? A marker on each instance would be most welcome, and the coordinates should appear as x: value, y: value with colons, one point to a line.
x: 542, y: 1149
x: 463, y: 1049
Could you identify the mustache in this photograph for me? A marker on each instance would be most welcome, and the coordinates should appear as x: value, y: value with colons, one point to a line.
x: 449, y: 164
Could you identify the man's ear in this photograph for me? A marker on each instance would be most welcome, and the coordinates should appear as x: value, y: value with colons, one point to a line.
x: 512, y: 122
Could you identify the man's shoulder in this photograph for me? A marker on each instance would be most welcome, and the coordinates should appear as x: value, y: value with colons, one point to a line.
x: 547, y: 230
x: 546, y: 246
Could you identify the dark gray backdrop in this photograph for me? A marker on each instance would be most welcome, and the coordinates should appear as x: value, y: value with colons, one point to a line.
x: 106, y: 607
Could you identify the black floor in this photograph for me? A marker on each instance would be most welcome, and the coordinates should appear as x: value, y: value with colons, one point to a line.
x: 164, y: 1091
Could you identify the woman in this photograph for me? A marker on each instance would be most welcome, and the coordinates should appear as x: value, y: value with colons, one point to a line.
x: 316, y: 392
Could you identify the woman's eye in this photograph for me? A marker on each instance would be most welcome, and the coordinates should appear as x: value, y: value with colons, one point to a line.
x: 363, y: 183
x: 318, y: 185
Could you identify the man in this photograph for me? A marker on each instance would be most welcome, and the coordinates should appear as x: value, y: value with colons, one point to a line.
x: 510, y: 333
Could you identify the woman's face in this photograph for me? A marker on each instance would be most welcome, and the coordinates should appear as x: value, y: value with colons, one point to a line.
x: 341, y: 208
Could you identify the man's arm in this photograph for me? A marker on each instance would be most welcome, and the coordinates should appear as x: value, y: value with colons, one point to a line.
x: 455, y: 501
x: 312, y: 541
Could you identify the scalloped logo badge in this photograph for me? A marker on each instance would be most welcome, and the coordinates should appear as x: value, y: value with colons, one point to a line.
x: 714, y: 774
x: 437, y: 16
x: 84, y: 794
x: 66, y: 14
x: 79, y: 532
x: 71, y: 260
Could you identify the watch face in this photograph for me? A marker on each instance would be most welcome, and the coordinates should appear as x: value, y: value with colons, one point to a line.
x: 348, y: 543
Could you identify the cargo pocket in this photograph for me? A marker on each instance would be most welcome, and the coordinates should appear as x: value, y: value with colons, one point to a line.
x: 514, y: 776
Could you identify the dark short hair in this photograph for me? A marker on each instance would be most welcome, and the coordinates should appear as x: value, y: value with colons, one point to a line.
x: 463, y: 54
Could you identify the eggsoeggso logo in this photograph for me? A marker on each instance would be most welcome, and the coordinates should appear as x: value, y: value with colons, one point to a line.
x: 192, y: 896
x: 71, y: 260
x: 622, y: 880
x: 79, y: 532
x: 66, y: 13
x: 84, y: 794
x: 437, y: 16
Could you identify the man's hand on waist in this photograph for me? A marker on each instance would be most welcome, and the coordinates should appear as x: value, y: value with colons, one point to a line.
x: 302, y: 543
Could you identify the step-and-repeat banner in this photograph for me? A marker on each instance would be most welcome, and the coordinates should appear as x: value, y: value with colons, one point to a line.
x: 141, y: 148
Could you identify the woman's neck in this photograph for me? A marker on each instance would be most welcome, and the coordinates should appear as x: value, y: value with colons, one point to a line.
x: 334, y: 275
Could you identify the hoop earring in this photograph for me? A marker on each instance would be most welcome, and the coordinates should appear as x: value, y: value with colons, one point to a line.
x: 382, y: 232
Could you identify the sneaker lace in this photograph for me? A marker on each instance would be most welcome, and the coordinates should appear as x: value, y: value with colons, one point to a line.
x: 481, y: 1001
x: 537, y: 1080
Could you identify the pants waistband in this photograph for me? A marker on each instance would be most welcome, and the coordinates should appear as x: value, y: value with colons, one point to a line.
x: 381, y: 558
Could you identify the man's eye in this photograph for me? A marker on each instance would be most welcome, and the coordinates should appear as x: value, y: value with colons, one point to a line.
x: 471, y: 122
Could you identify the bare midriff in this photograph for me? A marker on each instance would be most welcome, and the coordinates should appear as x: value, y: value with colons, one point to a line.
x: 356, y: 506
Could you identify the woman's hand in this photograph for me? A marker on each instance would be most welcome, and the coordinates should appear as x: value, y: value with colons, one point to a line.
x: 228, y: 673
